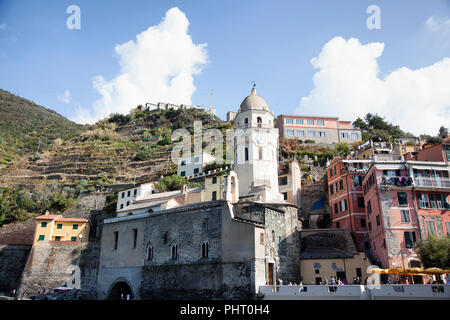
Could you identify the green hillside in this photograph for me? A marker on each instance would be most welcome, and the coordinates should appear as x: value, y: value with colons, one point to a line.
x: 117, y: 151
x: 26, y: 127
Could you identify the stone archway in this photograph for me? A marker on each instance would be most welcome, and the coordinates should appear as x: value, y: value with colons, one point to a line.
x: 121, y: 291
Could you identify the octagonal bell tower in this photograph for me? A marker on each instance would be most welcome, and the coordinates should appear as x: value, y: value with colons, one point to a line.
x: 256, y: 150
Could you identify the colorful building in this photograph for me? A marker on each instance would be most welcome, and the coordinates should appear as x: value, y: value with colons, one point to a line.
x: 393, y: 224
x: 431, y: 196
x: 346, y: 198
x: 326, y: 130
x: 56, y: 229
x: 327, y: 253
x: 437, y: 152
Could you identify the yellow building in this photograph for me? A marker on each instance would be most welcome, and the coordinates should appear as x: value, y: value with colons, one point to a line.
x: 324, y: 264
x: 221, y: 186
x: 215, y: 187
x: 404, y: 149
x: 55, y: 228
x: 330, y: 253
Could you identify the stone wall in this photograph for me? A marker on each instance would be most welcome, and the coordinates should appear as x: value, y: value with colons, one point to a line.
x: 282, y: 241
x: 55, y: 265
x: 12, y: 262
x: 197, y: 281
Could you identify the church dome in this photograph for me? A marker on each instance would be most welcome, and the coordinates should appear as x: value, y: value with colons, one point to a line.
x: 254, y: 102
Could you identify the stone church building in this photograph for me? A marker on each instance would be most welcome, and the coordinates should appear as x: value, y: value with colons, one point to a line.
x: 225, y: 247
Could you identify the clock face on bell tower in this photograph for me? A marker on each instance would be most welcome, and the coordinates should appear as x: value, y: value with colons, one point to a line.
x: 260, y: 138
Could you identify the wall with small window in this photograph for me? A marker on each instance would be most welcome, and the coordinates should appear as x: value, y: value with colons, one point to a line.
x: 122, y: 240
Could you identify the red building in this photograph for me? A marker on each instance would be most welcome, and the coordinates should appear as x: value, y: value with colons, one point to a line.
x: 346, y: 198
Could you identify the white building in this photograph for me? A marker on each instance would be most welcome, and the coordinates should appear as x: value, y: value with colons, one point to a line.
x: 256, y: 150
x: 128, y: 196
x: 188, y: 166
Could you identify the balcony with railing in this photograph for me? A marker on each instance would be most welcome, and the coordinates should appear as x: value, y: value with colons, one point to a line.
x: 431, y: 182
x: 395, y: 181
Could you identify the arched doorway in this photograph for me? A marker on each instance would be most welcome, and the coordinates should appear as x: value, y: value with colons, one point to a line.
x: 121, y: 291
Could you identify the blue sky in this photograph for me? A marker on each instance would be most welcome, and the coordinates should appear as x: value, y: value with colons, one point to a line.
x: 268, y: 42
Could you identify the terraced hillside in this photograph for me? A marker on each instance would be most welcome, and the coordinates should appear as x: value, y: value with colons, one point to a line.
x: 114, y: 153
x: 119, y: 151
x: 26, y: 127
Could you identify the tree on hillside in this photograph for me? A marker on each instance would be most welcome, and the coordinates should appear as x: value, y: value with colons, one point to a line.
x: 341, y: 149
x: 429, y: 139
x: 171, y: 183
x: 443, y: 132
x: 434, y: 252
x: 289, y: 148
x: 359, y: 123
x: 376, y: 128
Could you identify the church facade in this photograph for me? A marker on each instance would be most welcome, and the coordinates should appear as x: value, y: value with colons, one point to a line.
x: 224, y: 247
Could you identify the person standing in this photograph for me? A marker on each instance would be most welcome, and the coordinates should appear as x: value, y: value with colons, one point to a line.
x: 301, y: 286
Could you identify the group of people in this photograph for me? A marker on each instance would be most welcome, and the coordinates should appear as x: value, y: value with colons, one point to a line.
x: 18, y: 295
x: 358, y: 281
x: 336, y: 281
x: 426, y: 280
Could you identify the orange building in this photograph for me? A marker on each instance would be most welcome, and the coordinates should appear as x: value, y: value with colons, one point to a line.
x: 346, y: 198
x: 56, y: 229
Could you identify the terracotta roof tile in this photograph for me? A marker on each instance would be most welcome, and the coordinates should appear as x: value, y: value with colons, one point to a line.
x: 72, y: 219
x: 48, y: 216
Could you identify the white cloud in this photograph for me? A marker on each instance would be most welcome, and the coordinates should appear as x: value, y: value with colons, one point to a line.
x: 434, y: 24
x: 158, y: 66
x: 65, y: 97
x: 347, y: 85
x: 438, y: 30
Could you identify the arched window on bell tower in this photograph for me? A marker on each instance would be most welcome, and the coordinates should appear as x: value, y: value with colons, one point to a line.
x: 246, y: 153
x: 260, y: 153
x: 259, y: 121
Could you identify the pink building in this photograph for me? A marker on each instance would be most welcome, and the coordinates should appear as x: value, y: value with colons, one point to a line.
x: 393, y: 224
x: 327, y: 130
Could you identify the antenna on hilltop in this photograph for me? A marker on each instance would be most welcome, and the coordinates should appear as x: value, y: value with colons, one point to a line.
x: 212, y: 98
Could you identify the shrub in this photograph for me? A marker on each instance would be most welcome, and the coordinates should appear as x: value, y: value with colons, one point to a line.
x: 171, y: 183
x: 143, y: 155
x: 435, y: 252
x: 20, y: 214
x: 165, y: 141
